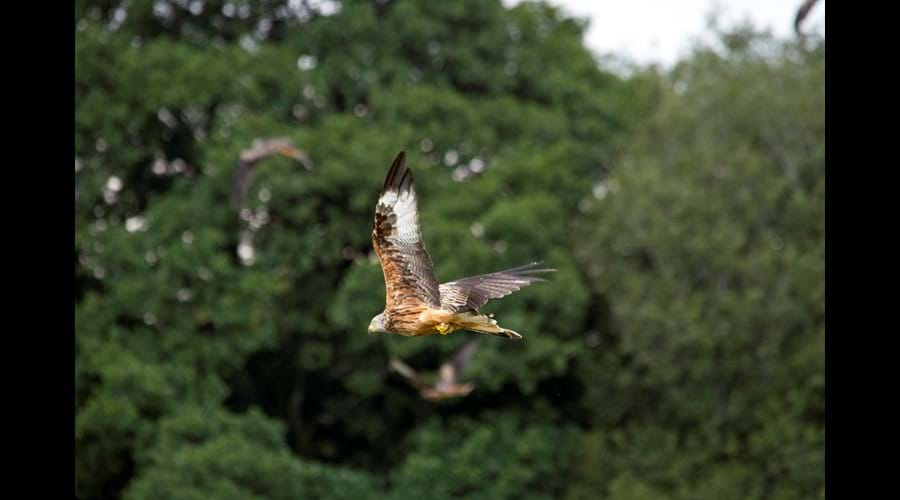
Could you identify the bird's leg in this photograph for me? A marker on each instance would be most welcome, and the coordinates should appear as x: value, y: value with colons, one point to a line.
x: 443, y: 328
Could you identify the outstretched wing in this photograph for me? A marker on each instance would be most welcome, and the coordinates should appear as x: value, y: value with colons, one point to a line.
x: 397, y: 238
x: 407, y: 373
x: 469, y: 294
x: 452, y: 369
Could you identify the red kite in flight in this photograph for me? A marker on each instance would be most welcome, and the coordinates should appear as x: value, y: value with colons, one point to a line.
x: 416, y: 304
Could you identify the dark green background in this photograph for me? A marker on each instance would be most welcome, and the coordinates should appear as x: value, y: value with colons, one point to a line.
x: 678, y: 352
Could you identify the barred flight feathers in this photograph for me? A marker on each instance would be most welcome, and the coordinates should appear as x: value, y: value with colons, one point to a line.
x: 397, y: 238
x: 470, y: 294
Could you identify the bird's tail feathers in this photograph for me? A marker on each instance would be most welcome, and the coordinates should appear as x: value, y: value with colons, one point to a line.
x: 484, y: 323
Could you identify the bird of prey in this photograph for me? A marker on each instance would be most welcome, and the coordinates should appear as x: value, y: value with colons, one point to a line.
x: 448, y: 383
x: 416, y: 305
x: 261, y: 149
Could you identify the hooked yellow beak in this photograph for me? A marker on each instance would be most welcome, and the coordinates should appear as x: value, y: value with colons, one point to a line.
x: 371, y: 329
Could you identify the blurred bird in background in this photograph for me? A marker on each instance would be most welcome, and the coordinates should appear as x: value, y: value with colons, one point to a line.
x: 260, y: 150
x: 448, y: 383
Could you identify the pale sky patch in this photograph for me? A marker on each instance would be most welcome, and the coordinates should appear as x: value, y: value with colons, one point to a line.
x: 661, y: 31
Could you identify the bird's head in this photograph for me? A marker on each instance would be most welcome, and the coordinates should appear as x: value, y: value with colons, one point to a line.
x: 377, y: 324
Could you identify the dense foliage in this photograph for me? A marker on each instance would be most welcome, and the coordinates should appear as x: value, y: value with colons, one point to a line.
x: 221, y: 350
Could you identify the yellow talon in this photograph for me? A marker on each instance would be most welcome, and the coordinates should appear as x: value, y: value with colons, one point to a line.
x: 442, y: 328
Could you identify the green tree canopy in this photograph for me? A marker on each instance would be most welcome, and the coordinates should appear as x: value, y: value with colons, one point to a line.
x: 221, y: 350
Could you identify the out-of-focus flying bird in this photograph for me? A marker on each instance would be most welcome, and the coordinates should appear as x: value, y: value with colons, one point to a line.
x: 448, y: 383
x: 416, y: 304
x: 802, y: 12
x: 262, y: 149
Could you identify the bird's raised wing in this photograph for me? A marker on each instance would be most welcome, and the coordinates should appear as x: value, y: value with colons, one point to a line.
x: 469, y: 294
x: 397, y: 238
x: 260, y: 150
x: 452, y: 370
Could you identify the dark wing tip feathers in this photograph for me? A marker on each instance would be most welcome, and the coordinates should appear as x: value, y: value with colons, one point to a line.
x: 528, y: 271
x: 475, y: 291
x: 390, y: 182
x: 405, y: 181
x: 531, y: 266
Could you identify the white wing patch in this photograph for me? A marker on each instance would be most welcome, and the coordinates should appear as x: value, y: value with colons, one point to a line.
x: 397, y: 206
x: 408, y: 230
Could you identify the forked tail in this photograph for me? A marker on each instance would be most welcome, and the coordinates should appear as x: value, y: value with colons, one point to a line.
x: 483, y: 323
